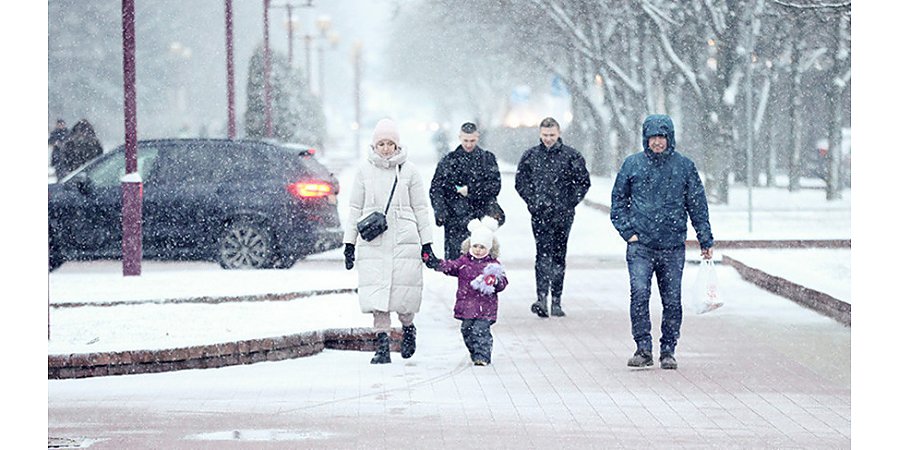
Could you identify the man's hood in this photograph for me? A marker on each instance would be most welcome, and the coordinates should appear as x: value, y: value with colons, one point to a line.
x: 659, y: 125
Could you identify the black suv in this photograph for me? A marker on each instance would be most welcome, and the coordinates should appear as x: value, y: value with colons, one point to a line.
x: 243, y: 203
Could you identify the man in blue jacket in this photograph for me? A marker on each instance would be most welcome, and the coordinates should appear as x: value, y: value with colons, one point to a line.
x: 552, y: 178
x: 654, y: 193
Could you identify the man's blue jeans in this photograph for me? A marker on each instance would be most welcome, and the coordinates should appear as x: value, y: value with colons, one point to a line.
x: 668, y: 265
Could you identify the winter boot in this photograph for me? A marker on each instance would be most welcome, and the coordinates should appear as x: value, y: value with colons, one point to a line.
x: 641, y: 358
x: 556, y: 307
x: 540, y: 306
x: 408, y: 344
x: 382, y: 349
x: 667, y: 361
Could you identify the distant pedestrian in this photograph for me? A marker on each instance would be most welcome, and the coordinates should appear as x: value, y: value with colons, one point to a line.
x: 390, y: 265
x: 655, y: 192
x: 465, y: 186
x: 552, y: 178
x: 480, y: 277
x: 56, y: 140
x: 80, y: 146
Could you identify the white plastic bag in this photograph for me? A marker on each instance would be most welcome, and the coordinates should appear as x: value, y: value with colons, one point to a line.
x: 705, y: 293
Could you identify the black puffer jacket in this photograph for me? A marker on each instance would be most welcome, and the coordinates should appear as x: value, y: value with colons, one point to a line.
x: 476, y: 169
x: 552, y: 181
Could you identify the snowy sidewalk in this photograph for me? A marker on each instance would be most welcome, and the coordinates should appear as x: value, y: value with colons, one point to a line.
x: 760, y: 372
x: 751, y: 374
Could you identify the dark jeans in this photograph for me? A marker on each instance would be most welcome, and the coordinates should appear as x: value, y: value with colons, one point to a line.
x: 454, y: 234
x: 551, y: 239
x: 476, y: 334
x: 668, y: 265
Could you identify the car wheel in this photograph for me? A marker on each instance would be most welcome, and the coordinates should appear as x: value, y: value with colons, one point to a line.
x: 245, y: 245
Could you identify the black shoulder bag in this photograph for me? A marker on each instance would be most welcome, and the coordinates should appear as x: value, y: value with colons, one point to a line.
x: 371, y: 226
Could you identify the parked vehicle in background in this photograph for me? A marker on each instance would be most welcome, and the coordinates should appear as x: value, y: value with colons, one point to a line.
x: 243, y: 203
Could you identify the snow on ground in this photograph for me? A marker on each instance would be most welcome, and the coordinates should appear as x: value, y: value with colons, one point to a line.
x: 594, y: 244
x: 825, y: 270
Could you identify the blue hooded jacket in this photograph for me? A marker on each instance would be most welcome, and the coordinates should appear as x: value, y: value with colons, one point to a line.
x: 654, y: 193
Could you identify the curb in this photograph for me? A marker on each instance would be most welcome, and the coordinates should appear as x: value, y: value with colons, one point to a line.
x: 286, y: 296
x: 279, y: 348
x: 762, y: 243
x: 804, y: 296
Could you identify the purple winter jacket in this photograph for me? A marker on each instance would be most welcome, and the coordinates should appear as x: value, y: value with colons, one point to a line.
x: 471, y: 303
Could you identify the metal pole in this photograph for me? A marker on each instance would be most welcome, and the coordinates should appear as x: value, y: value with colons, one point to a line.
x: 229, y: 63
x: 749, y: 100
x: 322, y: 73
x: 290, y: 12
x: 131, y: 183
x: 307, y: 42
x: 357, y: 56
x: 267, y: 70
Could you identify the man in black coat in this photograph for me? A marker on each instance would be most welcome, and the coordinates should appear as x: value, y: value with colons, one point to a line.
x: 56, y: 139
x: 552, y: 179
x: 80, y: 146
x: 464, y: 187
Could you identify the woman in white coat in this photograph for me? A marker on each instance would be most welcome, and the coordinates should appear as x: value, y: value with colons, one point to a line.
x: 390, y: 265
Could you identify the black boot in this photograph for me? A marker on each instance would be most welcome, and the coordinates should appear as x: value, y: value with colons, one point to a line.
x: 556, y: 307
x: 382, y: 349
x: 540, y: 306
x: 408, y: 344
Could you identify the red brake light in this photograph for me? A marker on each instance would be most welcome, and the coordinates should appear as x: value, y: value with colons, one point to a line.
x: 310, y: 189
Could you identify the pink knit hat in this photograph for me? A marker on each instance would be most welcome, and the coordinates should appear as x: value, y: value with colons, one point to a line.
x: 386, y: 129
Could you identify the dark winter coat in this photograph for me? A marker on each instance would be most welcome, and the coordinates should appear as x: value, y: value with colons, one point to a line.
x: 655, y: 193
x: 476, y: 169
x: 56, y: 139
x: 471, y: 303
x: 57, y: 136
x: 552, y: 181
x: 80, y: 146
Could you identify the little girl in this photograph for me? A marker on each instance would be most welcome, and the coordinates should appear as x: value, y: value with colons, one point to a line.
x: 481, y: 277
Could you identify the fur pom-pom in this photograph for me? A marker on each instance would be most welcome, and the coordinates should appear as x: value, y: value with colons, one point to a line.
x: 492, y: 270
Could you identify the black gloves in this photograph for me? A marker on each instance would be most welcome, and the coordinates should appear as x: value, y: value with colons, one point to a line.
x: 349, y: 255
x: 431, y: 261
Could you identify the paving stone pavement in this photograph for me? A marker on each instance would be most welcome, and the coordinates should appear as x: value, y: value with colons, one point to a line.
x: 742, y: 382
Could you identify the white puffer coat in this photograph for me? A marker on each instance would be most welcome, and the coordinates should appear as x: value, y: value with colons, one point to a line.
x: 390, y: 266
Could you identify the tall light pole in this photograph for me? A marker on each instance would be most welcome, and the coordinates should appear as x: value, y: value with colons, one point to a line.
x: 267, y: 70
x: 323, y: 23
x: 748, y: 96
x: 229, y: 64
x: 131, y: 182
x: 291, y: 24
x: 357, y: 80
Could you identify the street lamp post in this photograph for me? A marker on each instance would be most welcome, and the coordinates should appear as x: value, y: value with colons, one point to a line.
x: 291, y: 24
x: 267, y: 70
x: 323, y: 23
x: 229, y: 64
x: 131, y: 182
x: 357, y: 75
